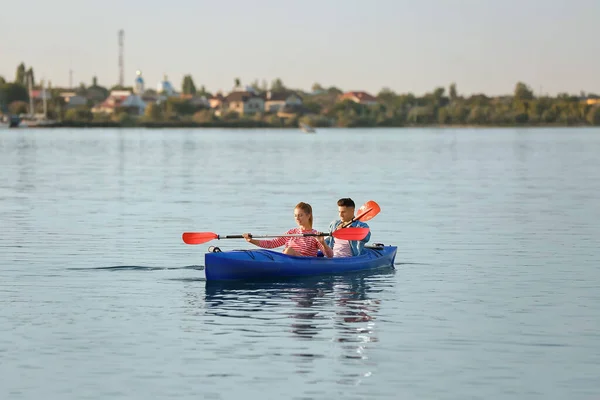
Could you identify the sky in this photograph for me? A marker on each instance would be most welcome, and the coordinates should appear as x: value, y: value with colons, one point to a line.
x: 484, y: 46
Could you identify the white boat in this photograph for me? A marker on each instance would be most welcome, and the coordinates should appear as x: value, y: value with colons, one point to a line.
x: 33, y: 120
x: 307, y: 128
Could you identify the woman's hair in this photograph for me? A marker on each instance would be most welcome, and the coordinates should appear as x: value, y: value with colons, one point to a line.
x: 307, y: 209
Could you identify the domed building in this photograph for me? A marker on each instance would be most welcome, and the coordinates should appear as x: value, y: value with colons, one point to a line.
x: 138, y: 87
x: 165, y: 87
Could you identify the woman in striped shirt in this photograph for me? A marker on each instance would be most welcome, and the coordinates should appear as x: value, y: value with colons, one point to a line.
x: 306, y: 246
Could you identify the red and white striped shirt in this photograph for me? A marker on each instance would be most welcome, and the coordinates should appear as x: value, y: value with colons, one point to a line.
x: 304, y: 245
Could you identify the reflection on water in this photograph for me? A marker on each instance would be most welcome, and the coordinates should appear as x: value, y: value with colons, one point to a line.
x: 306, y: 315
x: 341, y: 309
x: 356, y: 318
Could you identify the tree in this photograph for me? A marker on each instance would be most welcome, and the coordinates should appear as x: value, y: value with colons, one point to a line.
x: 15, y: 92
x: 94, y: 82
x: 317, y: 87
x: 277, y: 85
x: 81, y: 90
x: 119, y: 87
x: 523, y: 92
x: 30, y: 77
x: 18, y: 107
x: 154, y: 112
x: 20, y: 77
x: 421, y: 115
x: 386, y: 96
x: 443, y: 116
x: 478, y: 115
x: 521, y: 118
x: 550, y: 116
x: 123, y: 118
x: 312, y: 107
x: 81, y: 114
x: 478, y: 100
x: 458, y: 113
x: 188, y: 86
x: 203, y: 117
x: 438, y: 97
x: 593, y: 116
x: 179, y: 106
x: 452, y: 92
x: 238, y: 83
x: 2, y: 80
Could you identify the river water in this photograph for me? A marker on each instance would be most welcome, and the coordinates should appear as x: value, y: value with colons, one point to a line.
x: 495, y: 292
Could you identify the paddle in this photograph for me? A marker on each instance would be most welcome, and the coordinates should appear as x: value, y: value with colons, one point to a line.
x: 366, y: 212
x: 345, y: 234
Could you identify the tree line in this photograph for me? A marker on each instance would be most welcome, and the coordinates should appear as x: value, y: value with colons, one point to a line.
x: 322, y: 107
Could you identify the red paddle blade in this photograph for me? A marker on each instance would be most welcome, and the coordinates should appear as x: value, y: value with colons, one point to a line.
x: 198, y: 237
x: 351, y: 233
x: 367, y: 211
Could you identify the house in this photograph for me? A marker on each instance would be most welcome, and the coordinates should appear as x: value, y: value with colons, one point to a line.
x: 73, y: 100
x: 196, y: 100
x: 124, y: 99
x: 591, y: 100
x: 114, y: 100
x: 275, y: 101
x: 134, y: 105
x: 96, y: 94
x: 243, y: 103
x: 359, y: 97
x: 216, y: 101
x: 41, y: 94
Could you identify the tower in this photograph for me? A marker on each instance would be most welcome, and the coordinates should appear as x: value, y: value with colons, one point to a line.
x: 121, y: 62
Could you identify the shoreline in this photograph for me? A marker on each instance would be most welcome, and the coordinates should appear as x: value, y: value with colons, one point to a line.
x: 260, y: 125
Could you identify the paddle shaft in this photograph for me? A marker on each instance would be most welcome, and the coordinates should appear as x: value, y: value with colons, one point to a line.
x: 203, y: 237
x: 357, y: 218
x: 272, y: 236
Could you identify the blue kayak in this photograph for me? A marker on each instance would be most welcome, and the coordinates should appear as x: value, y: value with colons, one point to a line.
x: 267, y: 264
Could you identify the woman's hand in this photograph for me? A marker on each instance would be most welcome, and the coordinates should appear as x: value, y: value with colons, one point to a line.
x: 321, y: 239
x: 248, y: 237
x: 326, y: 249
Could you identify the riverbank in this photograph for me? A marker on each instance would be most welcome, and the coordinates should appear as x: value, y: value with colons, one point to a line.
x: 264, y: 125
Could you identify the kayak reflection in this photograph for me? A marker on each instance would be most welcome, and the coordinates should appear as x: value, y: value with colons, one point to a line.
x: 334, y: 308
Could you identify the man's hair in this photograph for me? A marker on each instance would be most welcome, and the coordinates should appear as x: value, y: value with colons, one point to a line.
x: 346, y: 202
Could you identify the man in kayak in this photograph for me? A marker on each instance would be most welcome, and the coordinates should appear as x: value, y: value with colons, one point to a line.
x: 346, y: 248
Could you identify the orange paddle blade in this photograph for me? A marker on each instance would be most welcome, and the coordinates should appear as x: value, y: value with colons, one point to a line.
x: 198, y: 237
x: 367, y: 211
x: 351, y: 233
